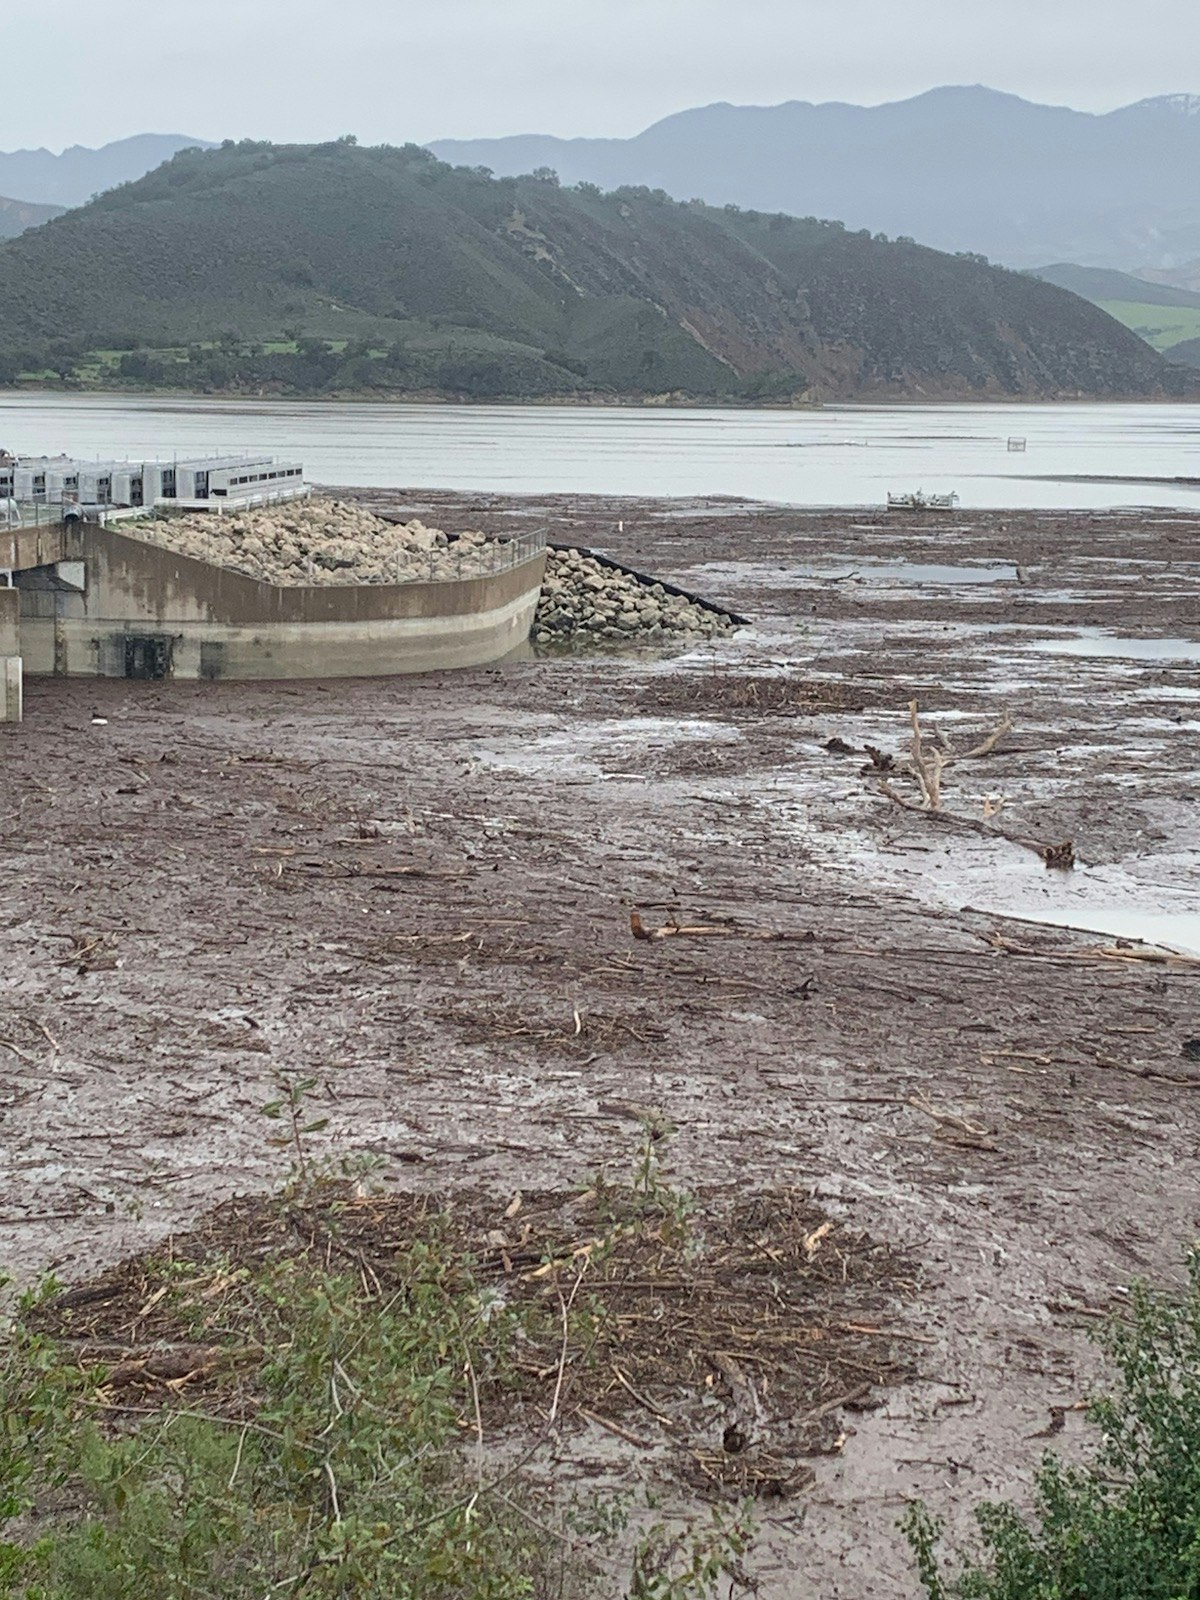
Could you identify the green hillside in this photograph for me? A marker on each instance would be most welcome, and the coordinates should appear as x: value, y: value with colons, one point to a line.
x: 1159, y: 313
x: 1160, y: 326
x: 334, y: 268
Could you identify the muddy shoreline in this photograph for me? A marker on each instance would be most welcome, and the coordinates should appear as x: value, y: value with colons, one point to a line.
x: 355, y: 880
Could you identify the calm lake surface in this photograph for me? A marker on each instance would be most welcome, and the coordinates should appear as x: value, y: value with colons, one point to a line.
x: 843, y: 455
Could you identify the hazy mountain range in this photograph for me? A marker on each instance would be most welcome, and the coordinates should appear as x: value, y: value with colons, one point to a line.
x: 1103, y: 285
x: 334, y: 267
x: 957, y: 168
x: 77, y: 174
x: 962, y: 169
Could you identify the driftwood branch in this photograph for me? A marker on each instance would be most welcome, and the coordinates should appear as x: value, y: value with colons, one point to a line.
x: 927, y: 765
x: 993, y: 739
x: 1060, y: 855
x: 696, y: 930
x: 959, y: 1128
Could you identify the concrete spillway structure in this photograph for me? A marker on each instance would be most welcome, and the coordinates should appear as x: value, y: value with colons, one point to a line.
x: 11, y: 666
x: 93, y: 602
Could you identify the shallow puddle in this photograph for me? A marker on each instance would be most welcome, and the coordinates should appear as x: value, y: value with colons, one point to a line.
x: 1112, y: 645
x: 1170, y: 930
x: 1003, y: 879
x: 914, y: 572
x: 1006, y: 880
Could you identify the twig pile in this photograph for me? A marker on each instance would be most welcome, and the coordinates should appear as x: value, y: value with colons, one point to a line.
x: 578, y: 1030
x: 728, y: 1342
x: 756, y: 694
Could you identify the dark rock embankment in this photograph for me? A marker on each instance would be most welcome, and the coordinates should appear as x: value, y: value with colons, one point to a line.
x: 586, y: 598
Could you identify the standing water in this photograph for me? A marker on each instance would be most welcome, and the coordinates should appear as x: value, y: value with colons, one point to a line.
x: 841, y: 455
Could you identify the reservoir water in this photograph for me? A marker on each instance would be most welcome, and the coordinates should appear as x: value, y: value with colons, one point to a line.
x: 841, y: 455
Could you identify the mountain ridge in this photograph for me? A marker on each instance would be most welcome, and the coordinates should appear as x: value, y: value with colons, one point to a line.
x: 71, y: 178
x: 335, y: 267
x: 959, y: 167
x: 1101, y: 284
x: 1167, y: 317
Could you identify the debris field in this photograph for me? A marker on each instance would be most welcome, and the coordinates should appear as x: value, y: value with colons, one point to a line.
x: 506, y: 918
x: 731, y: 1364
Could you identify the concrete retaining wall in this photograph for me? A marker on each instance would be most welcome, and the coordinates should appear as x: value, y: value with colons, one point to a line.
x: 10, y: 656
x: 31, y: 547
x: 143, y: 607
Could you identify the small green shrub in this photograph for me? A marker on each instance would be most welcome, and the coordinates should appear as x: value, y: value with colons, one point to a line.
x: 692, y: 1563
x: 334, y: 1437
x: 340, y: 1471
x: 1127, y: 1525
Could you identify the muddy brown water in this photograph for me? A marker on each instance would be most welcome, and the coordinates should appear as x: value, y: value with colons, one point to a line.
x: 223, y: 883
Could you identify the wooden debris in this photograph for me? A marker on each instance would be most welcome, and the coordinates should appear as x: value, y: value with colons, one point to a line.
x: 960, y: 1129
x: 1064, y: 854
x: 928, y: 766
x: 774, y: 694
x: 1060, y: 857
x: 671, y: 929
x: 783, y: 1317
x: 1004, y: 726
x: 615, y: 1428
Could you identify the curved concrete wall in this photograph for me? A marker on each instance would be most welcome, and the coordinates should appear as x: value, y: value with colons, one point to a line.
x: 208, y: 622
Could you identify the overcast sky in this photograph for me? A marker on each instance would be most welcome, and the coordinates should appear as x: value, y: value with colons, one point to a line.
x: 87, y: 71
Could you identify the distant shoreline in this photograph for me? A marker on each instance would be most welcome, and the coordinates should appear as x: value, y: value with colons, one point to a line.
x: 1104, y: 477
x: 670, y: 402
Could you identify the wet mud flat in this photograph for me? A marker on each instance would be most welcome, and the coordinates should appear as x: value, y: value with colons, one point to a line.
x: 418, y: 892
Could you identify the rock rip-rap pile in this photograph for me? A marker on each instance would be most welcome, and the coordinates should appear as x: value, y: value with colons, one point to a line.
x: 319, y: 542
x: 585, y: 599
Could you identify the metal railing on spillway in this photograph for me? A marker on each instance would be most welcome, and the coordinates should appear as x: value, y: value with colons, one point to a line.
x: 476, y: 560
x: 505, y: 553
x: 28, y: 514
